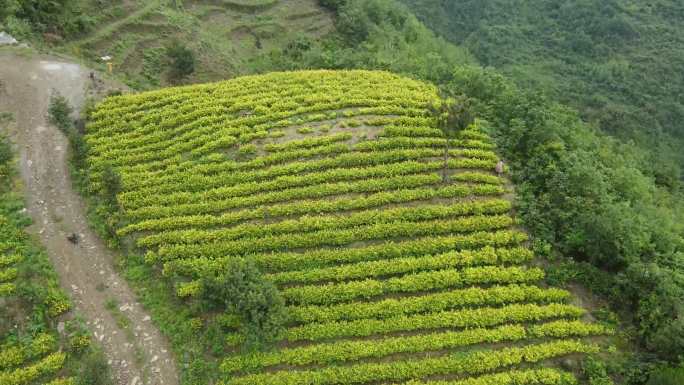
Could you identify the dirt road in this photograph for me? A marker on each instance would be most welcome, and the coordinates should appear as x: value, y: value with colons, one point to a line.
x: 138, y: 354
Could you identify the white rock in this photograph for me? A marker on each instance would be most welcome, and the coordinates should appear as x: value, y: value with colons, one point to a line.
x: 7, y: 39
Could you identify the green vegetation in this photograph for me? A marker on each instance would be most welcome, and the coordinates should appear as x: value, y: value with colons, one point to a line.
x: 599, y: 189
x: 257, y: 302
x: 182, y: 60
x: 615, y: 61
x: 224, y: 35
x: 304, y: 262
x: 57, y: 18
x: 33, y: 347
x: 596, y: 207
x: 611, y: 208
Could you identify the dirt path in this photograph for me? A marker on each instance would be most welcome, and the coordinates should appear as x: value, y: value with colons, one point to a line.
x: 138, y: 354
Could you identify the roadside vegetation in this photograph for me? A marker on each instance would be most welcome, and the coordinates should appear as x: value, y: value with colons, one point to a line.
x: 41, y: 339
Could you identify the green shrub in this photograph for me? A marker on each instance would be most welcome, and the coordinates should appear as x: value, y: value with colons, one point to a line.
x: 111, y: 185
x: 182, y: 60
x: 5, y: 151
x: 59, y: 112
x: 667, y: 376
x: 243, y: 291
x: 332, y: 4
x: 94, y: 370
x: 595, y: 371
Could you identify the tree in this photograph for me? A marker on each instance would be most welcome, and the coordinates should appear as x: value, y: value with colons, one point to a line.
x: 452, y: 116
x: 111, y: 185
x: 182, y: 60
x: 59, y: 112
x: 243, y: 291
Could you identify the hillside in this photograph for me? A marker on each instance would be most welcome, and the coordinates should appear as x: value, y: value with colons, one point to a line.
x: 615, y: 61
x: 393, y: 249
x: 224, y: 35
x: 581, y: 100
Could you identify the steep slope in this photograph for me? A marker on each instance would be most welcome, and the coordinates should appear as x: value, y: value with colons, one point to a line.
x: 224, y: 34
x: 615, y: 61
x: 393, y: 247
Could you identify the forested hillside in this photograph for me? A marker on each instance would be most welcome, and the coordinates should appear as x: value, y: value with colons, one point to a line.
x: 617, y: 61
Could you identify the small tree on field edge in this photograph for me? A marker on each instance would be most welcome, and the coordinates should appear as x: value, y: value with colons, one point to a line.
x: 452, y: 115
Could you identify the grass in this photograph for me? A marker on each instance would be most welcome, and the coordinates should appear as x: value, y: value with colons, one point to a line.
x: 223, y: 34
x: 339, y: 221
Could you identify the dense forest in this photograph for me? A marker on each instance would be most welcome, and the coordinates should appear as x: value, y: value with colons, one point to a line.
x: 584, y: 99
x: 615, y: 61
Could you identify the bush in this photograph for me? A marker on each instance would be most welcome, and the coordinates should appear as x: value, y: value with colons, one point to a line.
x: 667, y: 376
x: 595, y: 371
x: 182, y: 60
x: 111, y: 185
x: 60, y: 112
x: 5, y: 158
x: 243, y: 291
x: 5, y: 151
x: 94, y: 370
x: 62, y: 17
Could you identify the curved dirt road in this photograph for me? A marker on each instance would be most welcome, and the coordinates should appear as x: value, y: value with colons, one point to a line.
x: 138, y: 354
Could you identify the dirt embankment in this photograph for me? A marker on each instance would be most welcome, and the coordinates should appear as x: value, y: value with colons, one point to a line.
x: 137, y: 352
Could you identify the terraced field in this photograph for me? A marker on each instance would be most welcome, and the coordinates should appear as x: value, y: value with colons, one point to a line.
x: 394, y: 248
x: 224, y: 34
x: 31, y: 303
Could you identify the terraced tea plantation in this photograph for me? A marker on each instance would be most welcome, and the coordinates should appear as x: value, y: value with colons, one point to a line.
x: 393, y: 247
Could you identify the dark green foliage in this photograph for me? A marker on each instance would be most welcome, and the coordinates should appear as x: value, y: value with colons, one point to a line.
x: 94, y: 369
x: 616, y: 61
x: 111, y: 185
x: 595, y: 371
x: 182, y: 60
x: 332, y: 4
x: 371, y: 34
x: 589, y: 196
x: 5, y: 151
x: 243, y: 291
x: 60, y: 112
x: 61, y: 17
x: 667, y: 376
x: 5, y: 159
x: 453, y: 114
